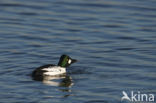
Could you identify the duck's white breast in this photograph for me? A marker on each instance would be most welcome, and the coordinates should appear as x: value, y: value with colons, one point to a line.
x: 55, y: 70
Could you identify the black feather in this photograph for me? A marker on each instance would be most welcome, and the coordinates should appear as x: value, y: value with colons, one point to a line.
x: 39, y: 71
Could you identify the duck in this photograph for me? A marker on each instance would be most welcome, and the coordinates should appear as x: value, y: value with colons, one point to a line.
x: 54, y: 70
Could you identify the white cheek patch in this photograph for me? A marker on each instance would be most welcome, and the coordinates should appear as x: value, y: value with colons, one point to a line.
x: 69, y: 61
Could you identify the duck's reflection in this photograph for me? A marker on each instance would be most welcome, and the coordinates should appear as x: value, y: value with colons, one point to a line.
x: 61, y: 80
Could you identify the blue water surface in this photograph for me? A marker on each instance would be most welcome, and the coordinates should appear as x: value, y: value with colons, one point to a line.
x: 114, y: 42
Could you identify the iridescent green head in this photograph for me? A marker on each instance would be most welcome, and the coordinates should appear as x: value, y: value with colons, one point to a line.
x: 66, y: 61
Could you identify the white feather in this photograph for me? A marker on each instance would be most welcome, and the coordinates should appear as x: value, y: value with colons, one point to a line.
x: 55, y: 70
x: 69, y: 61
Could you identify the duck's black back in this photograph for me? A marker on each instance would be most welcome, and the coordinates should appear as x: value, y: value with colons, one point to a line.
x: 39, y: 71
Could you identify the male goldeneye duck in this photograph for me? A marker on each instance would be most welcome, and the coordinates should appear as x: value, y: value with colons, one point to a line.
x: 54, y: 70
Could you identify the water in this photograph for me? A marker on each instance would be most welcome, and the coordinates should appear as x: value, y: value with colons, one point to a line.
x: 113, y: 41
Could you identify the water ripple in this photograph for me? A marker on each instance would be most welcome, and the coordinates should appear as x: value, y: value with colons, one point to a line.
x: 113, y: 41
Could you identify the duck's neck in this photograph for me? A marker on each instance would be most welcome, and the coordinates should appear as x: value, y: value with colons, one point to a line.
x: 62, y: 64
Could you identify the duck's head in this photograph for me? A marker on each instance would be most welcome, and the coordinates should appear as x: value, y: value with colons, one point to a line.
x: 66, y: 61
